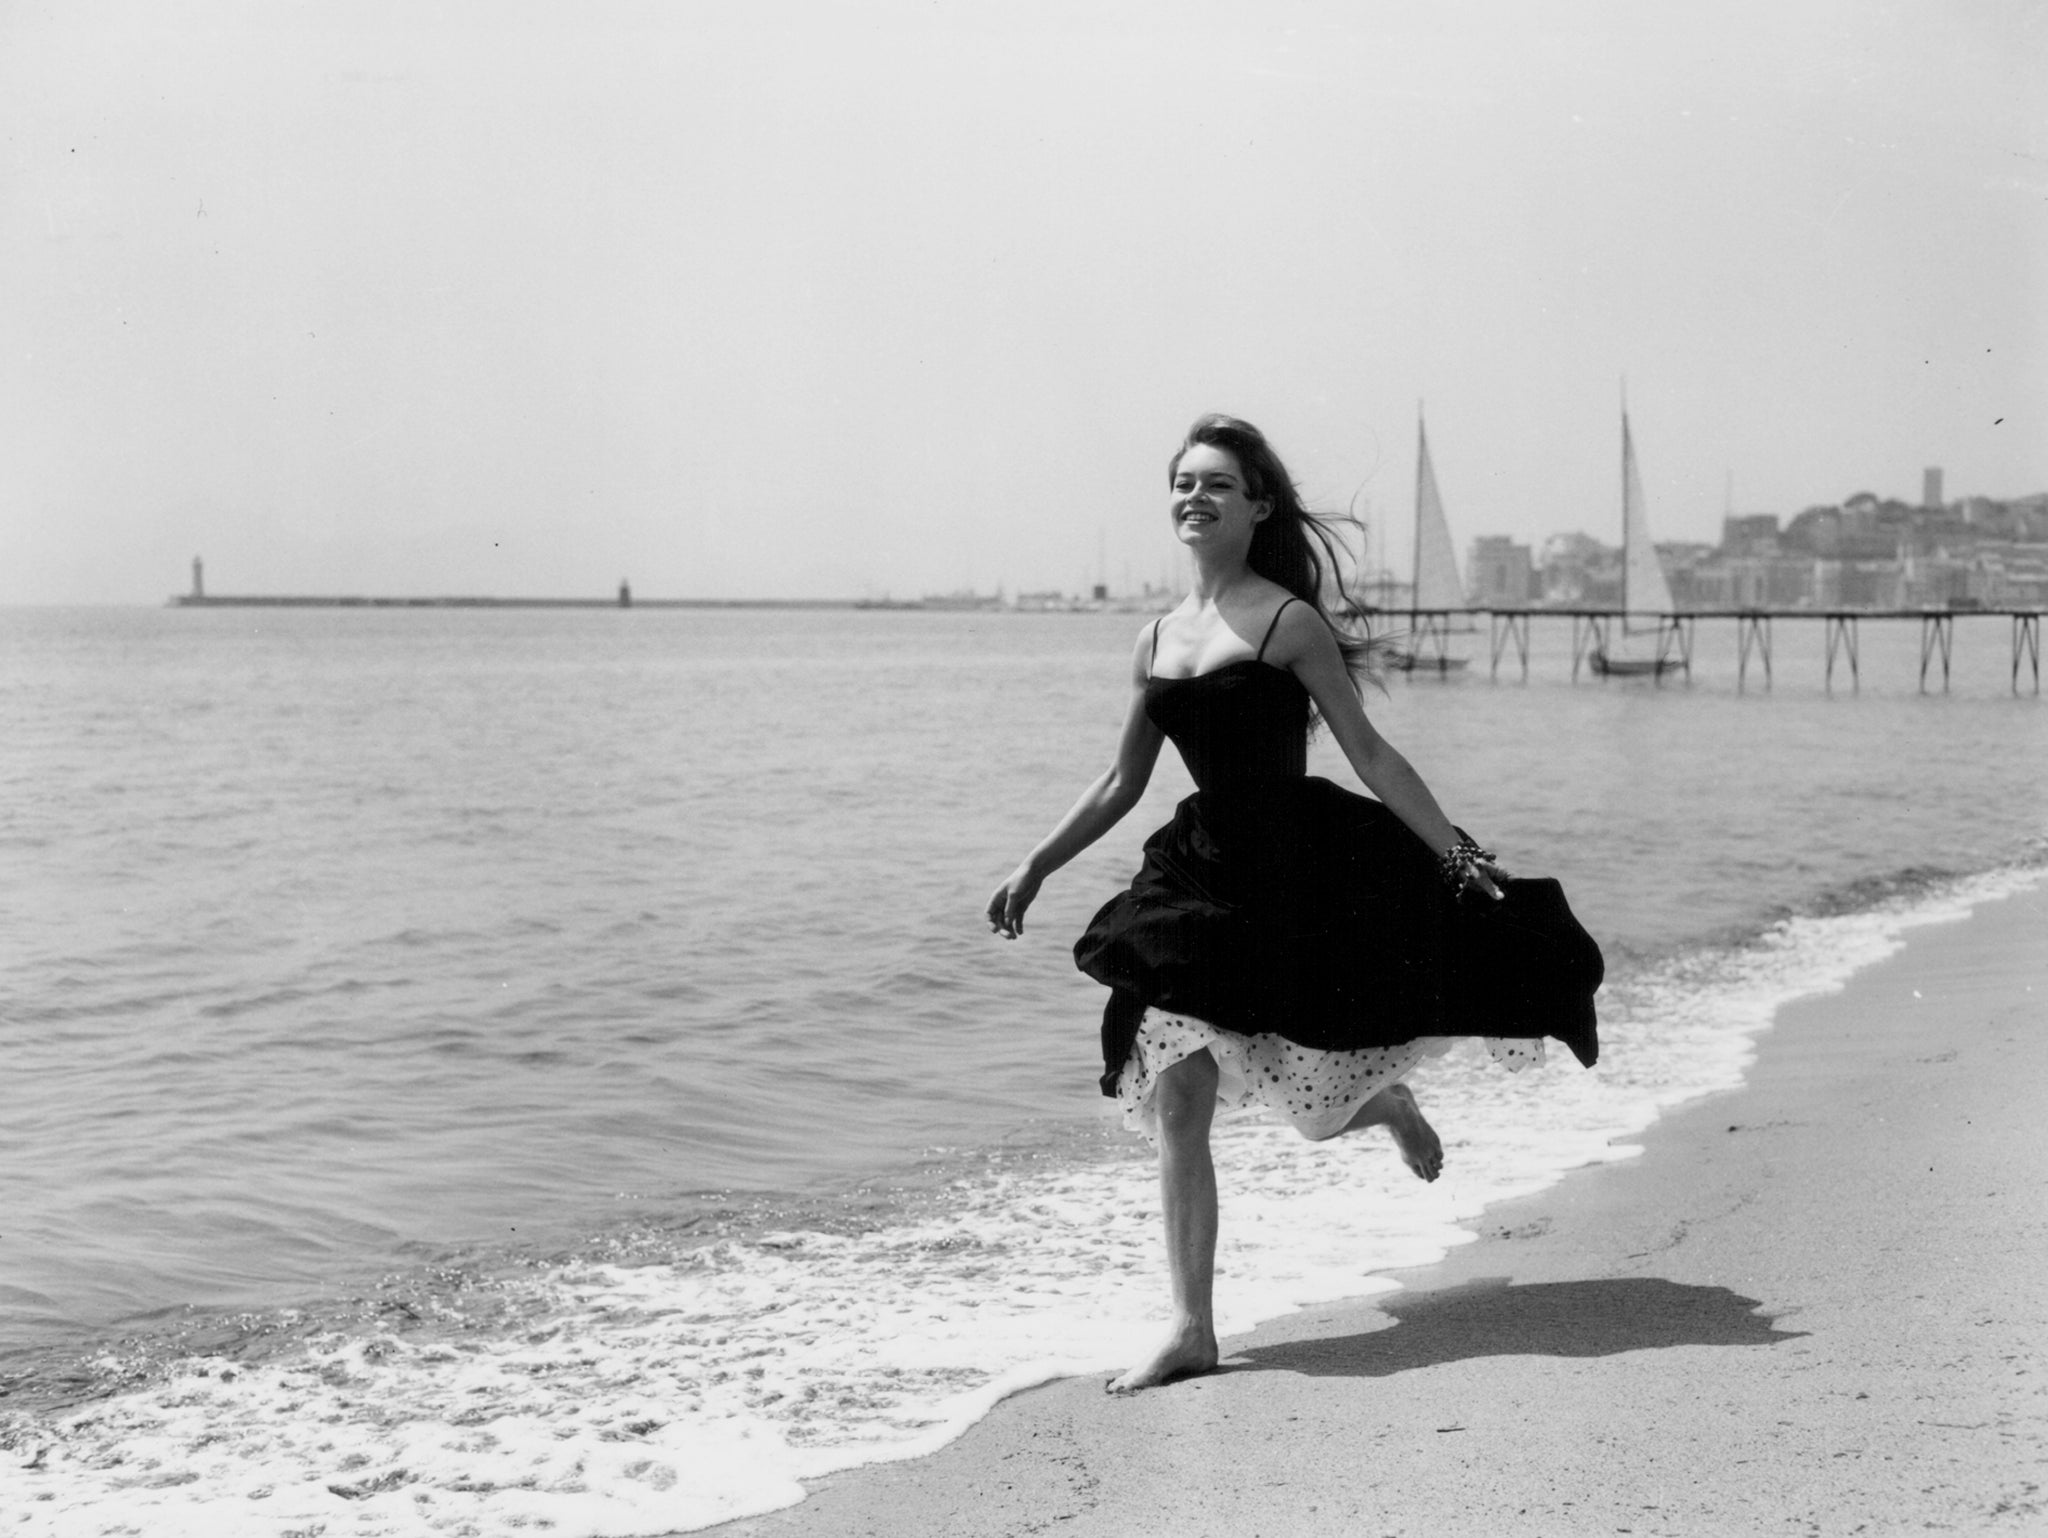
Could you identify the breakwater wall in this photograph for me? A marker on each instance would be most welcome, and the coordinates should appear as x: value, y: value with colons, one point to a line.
x: 310, y: 601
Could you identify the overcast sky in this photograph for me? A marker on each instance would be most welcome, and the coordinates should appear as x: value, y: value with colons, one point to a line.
x: 848, y: 299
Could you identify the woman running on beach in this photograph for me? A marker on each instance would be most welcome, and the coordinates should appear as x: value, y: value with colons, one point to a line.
x: 1286, y: 942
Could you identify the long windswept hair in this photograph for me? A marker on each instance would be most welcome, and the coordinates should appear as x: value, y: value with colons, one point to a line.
x: 1292, y: 546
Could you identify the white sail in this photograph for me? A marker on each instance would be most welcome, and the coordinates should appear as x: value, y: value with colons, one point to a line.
x: 1643, y: 588
x: 1436, y: 562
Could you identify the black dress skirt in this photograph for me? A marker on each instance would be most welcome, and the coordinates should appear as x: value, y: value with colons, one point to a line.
x: 1277, y: 904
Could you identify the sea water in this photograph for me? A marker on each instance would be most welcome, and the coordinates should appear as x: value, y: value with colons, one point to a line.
x: 482, y: 1070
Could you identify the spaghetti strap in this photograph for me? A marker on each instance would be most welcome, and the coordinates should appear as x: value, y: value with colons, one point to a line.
x: 1260, y: 656
x: 1149, y: 661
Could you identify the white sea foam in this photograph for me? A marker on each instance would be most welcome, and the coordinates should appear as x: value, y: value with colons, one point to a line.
x: 650, y: 1398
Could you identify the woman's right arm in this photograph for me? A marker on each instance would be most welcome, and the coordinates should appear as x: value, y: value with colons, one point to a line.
x: 1101, y: 806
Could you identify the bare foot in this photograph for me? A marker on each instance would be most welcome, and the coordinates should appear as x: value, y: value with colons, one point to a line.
x: 1189, y: 1350
x: 1420, y: 1148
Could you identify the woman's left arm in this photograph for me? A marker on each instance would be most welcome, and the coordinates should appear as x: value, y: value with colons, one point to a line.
x: 1304, y: 645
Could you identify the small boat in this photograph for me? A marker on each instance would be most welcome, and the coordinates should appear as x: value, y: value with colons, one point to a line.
x: 1644, y: 592
x: 1609, y: 666
x: 1438, y: 588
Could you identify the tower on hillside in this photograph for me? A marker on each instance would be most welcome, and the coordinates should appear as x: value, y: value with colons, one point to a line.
x: 1930, y: 487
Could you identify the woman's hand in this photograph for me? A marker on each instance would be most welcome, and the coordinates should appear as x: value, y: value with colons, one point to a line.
x: 1006, y: 908
x: 1485, y: 875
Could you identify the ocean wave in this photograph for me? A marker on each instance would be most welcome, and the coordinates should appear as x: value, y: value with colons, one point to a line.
x: 670, y: 1374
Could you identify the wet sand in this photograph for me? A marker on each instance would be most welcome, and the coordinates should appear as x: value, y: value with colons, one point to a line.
x: 1814, y: 1305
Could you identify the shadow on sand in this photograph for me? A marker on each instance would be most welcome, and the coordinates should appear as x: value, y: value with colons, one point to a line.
x: 1491, y: 1317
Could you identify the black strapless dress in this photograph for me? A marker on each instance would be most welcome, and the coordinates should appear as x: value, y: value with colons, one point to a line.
x: 1276, y: 902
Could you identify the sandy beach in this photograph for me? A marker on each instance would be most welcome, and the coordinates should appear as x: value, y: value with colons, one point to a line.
x: 1813, y: 1305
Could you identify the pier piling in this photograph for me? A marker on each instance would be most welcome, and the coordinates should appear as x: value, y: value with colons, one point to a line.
x: 1512, y: 626
x: 1674, y: 643
x: 1842, y: 633
x: 1936, y: 630
x: 1753, y: 632
x: 2026, y: 640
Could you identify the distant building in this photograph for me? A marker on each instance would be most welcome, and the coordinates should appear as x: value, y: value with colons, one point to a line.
x: 1750, y: 534
x: 1930, y: 486
x: 1818, y: 529
x: 2025, y: 577
x: 1934, y: 582
x: 1769, y: 582
x: 2029, y: 517
x: 1500, y: 573
x: 1856, y: 584
x: 1579, y: 572
x: 1045, y: 598
x: 1692, y: 571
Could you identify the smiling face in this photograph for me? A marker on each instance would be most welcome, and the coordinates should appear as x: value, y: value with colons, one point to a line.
x: 1209, y: 502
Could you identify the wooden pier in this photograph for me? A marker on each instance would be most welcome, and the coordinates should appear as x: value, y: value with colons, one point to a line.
x: 1670, y: 636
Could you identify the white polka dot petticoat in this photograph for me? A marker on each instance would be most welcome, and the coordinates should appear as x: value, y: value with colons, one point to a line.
x: 1319, y: 1092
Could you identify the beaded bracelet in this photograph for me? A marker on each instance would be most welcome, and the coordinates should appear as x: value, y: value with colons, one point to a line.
x: 1453, y: 861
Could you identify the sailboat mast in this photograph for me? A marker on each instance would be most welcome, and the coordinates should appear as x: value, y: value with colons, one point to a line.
x: 1643, y: 587
x: 1421, y: 480
x: 1628, y: 464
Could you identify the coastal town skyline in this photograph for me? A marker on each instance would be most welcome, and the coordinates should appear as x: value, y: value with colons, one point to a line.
x: 1479, y: 562
x: 1866, y: 552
